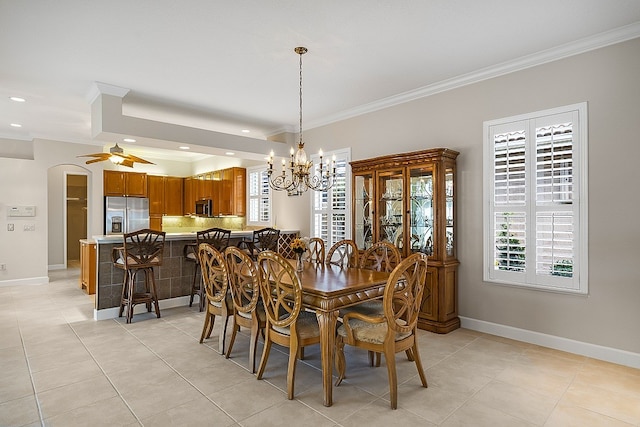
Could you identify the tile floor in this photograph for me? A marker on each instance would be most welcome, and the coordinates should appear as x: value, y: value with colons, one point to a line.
x: 58, y: 367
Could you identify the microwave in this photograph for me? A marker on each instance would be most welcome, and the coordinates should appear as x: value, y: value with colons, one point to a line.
x: 204, y: 207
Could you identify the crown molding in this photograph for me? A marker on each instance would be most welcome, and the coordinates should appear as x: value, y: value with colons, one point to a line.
x: 566, y: 50
x: 99, y: 88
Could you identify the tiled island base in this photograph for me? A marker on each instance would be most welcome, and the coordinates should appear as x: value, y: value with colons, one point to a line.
x: 173, y: 278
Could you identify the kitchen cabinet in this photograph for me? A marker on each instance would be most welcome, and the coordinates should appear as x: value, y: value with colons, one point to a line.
x: 88, y: 266
x: 232, y: 195
x: 409, y: 200
x: 165, y: 198
x: 117, y: 183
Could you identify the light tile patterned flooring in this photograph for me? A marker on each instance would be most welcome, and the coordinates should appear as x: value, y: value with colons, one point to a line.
x: 58, y: 367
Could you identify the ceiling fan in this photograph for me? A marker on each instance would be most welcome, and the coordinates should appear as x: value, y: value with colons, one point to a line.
x: 117, y: 156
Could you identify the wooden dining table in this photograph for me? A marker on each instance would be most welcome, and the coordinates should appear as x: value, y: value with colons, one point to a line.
x: 328, y: 288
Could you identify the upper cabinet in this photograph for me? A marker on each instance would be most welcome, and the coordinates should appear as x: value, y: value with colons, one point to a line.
x: 409, y: 200
x: 117, y: 183
x: 165, y: 195
x: 226, y: 188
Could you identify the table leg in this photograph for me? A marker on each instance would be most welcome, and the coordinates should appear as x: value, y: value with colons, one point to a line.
x: 327, y: 322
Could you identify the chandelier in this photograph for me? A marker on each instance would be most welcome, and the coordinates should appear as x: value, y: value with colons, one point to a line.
x: 301, y: 175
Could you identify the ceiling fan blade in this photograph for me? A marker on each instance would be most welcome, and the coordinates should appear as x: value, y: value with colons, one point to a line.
x: 138, y: 159
x: 127, y: 163
x: 99, y: 155
x: 95, y: 160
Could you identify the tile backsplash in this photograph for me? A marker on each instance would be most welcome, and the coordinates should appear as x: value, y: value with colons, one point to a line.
x: 185, y: 224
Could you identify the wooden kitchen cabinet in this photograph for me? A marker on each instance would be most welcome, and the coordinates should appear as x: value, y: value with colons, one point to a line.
x: 165, y: 198
x: 88, y: 266
x: 117, y: 183
x: 409, y: 200
x: 232, y: 195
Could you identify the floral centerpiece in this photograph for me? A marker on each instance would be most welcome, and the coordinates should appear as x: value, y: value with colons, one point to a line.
x: 299, y: 246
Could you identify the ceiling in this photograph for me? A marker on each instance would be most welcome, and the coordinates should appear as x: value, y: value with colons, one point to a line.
x: 230, y: 66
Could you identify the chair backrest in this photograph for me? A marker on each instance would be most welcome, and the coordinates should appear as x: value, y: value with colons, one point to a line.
x: 403, y: 294
x: 381, y: 256
x: 315, y: 251
x: 216, y: 237
x: 280, y: 289
x: 214, y: 273
x: 266, y: 239
x: 343, y: 253
x: 244, y: 279
x: 143, y: 248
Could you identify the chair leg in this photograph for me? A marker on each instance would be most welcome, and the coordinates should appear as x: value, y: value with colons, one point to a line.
x: 236, y: 328
x: 193, y: 283
x: 416, y: 358
x: 291, y: 370
x: 409, y: 355
x: 208, y: 319
x: 154, y: 292
x: 265, y: 355
x: 253, y: 343
x: 223, y: 335
x: 125, y: 292
x: 390, y: 358
x: 341, y: 365
x: 130, y: 290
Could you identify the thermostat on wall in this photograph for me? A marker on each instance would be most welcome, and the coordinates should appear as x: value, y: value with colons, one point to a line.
x: 14, y: 211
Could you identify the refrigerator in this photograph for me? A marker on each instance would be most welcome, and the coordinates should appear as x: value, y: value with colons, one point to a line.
x: 125, y: 214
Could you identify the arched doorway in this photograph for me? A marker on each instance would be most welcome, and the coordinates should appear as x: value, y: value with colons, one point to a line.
x: 67, y: 214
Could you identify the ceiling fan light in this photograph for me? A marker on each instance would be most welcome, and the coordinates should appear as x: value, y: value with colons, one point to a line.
x: 116, y: 159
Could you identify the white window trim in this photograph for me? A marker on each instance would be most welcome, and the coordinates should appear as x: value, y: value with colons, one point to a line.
x: 258, y: 169
x: 340, y: 153
x: 580, y: 197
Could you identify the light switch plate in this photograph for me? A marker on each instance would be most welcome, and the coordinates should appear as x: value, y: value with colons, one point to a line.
x: 9, y: 227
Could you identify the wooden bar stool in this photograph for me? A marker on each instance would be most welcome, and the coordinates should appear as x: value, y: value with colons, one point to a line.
x: 216, y: 237
x: 142, y: 251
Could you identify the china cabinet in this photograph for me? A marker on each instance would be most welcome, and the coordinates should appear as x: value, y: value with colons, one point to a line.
x: 409, y: 200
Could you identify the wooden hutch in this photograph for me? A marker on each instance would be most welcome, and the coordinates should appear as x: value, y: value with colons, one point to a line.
x: 409, y: 199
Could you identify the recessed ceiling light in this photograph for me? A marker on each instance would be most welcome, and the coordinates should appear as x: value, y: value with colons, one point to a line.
x: 184, y: 147
x: 17, y: 99
x: 245, y: 131
x: 230, y: 153
x: 16, y: 125
x: 129, y: 140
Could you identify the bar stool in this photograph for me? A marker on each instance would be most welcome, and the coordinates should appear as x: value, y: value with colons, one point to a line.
x: 216, y: 237
x: 142, y: 251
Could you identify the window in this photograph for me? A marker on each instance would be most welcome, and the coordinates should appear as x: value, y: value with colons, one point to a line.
x: 330, y: 212
x: 259, y: 197
x: 535, y: 210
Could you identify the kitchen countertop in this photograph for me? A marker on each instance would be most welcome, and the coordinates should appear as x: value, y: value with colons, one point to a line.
x: 111, y: 238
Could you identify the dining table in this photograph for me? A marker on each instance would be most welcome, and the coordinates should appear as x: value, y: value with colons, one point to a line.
x: 327, y: 288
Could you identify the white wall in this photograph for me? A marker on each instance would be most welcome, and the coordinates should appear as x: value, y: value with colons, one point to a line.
x: 608, y: 79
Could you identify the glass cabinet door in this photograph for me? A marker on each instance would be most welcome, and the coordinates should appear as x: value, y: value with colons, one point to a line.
x: 449, y: 211
x: 421, y: 210
x: 391, y: 207
x: 363, y: 210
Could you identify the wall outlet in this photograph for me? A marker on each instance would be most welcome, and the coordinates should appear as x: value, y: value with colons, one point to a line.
x: 9, y: 227
x: 3, y: 267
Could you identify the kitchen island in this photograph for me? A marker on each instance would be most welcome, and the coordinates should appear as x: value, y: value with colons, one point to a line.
x: 173, y: 278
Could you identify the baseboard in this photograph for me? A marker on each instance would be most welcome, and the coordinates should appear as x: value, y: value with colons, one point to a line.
x: 112, y: 313
x: 28, y: 281
x: 57, y: 267
x: 621, y: 357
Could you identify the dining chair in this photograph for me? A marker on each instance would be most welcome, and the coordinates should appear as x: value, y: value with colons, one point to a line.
x: 142, y: 251
x: 262, y: 240
x: 245, y: 290
x: 216, y: 285
x: 216, y: 237
x: 396, y: 330
x: 381, y: 256
x: 288, y: 324
x: 343, y: 253
x: 315, y: 250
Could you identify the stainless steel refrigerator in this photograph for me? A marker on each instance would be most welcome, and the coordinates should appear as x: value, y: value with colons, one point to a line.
x: 125, y: 214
